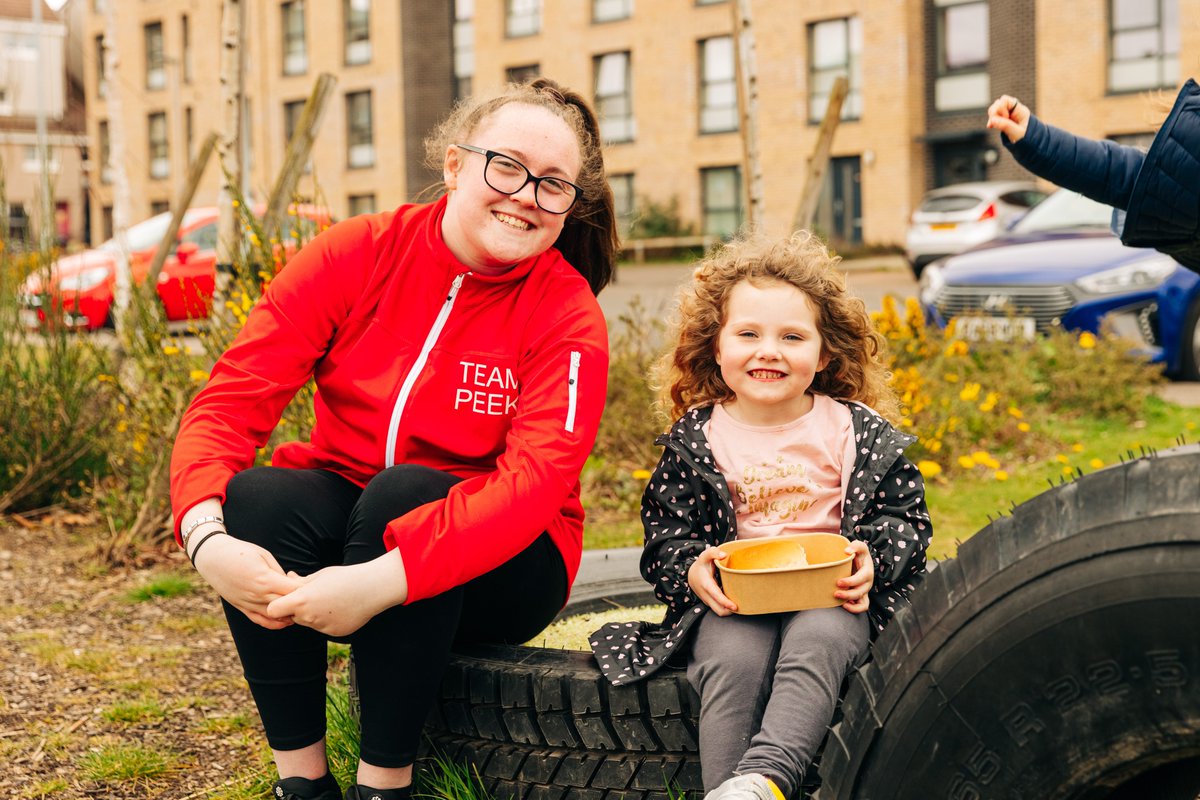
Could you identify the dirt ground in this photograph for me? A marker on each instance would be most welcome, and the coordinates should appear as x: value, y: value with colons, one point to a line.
x: 105, y: 696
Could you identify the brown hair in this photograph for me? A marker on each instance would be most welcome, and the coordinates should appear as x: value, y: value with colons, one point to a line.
x: 689, y: 376
x: 589, y: 239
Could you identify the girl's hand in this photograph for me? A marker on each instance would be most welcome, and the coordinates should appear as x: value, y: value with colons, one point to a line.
x: 854, y: 590
x: 1009, y: 116
x: 702, y: 579
x: 247, y: 576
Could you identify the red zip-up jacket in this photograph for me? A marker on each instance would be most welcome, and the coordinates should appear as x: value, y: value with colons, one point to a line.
x: 498, y: 379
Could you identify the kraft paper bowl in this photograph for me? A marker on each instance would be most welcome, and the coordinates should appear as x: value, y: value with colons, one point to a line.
x: 762, y: 576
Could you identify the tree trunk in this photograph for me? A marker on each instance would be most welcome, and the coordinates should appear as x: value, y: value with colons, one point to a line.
x: 121, y: 195
x: 747, y: 75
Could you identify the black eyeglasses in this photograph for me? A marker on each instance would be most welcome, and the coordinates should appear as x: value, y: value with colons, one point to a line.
x: 508, y: 176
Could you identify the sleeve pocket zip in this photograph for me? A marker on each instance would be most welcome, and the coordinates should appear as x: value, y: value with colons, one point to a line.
x: 572, y: 390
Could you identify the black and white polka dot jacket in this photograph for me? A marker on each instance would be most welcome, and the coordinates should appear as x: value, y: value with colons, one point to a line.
x: 686, y: 507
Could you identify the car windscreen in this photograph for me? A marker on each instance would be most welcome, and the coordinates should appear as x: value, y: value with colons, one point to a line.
x: 143, y: 235
x: 1064, y: 210
x: 946, y: 203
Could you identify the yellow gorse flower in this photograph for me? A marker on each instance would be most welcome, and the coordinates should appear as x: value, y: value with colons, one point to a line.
x: 1087, y: 340
x: 930, y: 469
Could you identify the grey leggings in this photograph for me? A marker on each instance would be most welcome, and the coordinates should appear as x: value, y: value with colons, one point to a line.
x: 768, y: 687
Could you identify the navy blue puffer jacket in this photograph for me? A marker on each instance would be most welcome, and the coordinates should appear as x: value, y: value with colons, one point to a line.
x: 1156, y: 193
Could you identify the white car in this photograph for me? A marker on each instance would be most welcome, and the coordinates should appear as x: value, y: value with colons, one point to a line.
x: 956, y: 218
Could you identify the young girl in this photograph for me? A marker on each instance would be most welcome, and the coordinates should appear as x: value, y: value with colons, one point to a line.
x: 773, y: 374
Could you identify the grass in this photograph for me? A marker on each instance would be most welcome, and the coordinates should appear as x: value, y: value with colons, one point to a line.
x: 127, y: 763
x: 163, y: 586
x: 135, y: 711
x: 45, y: 789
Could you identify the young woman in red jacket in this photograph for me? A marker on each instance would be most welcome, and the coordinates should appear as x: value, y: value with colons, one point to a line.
x: 461, y: 361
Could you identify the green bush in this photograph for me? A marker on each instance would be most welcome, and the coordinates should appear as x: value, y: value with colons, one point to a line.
x: 55, y: 408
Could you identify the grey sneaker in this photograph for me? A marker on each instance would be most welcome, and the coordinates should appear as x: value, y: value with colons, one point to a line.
x: 751, y: 786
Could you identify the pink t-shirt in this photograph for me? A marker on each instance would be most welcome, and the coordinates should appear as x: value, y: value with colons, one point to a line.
x: 788, y: 478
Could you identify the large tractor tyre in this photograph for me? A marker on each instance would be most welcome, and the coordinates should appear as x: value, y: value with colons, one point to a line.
x: 541, y: 724
x: 1056, y: 658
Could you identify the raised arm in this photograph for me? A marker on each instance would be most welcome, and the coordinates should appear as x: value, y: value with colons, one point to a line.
x: 1102, y: 170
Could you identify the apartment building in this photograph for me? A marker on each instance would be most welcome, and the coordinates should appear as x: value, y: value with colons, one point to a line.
x: 1125, y: 64
x: 1090, y: 66
x: 663, y: 78
x: 26, y: 48
x: 394, y: 81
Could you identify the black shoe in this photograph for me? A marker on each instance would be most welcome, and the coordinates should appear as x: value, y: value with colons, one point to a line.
x: 325, y: 788
x: 360, y: 792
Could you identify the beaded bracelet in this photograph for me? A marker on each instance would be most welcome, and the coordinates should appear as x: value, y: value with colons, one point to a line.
x: 196, y: 523
x: 203, y: 539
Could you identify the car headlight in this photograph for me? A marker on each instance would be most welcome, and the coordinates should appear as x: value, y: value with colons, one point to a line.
x: 932, y: 280
x: 1144, y: 274
x: 82, y: 281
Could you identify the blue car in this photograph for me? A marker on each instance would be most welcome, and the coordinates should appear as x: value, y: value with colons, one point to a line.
x: 1060, y: 265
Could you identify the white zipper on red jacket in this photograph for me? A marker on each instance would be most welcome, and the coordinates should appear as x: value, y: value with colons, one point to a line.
x: 415, y: 371
x: 572, y: 389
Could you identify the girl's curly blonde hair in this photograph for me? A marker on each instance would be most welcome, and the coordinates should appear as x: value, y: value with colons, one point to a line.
x: 689, y: 376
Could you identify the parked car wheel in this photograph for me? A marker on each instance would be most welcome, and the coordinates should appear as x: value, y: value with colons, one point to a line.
x: 1055, y: 657
x: 1189, y: 369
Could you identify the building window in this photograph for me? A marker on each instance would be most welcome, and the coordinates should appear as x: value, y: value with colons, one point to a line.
x: 362, y: 204
x: 963, y: 52
x: 101, y: 75
x: 291, y: 118
x: 186, y: 34
x: 614, y: 97
x: 159, y: 207
x: 32, y: 162
x: 522, y: 74
x: 18, y: 222
x: 106, y: 223
x: 1144, y: 46
x: 623, y: 200
x: 357, y: 14
x: 360, y: 140
x: 189, y: 134
x: 609, y: 10
x: 295, y: 48
x: 106, y: 171
x: 160, y: 165
x: 522, y: 17
x: 464, y: 47
x: 708, y: 2
x: 721, y: 189
x: 835, y: 50
x: 156, y: 75
x: 718, y: 86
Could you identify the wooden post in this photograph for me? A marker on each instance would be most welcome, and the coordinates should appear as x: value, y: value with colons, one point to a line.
x: 182, y: 203
x: 233, y: 42
x: 123, y: 289
x: 298, y: 150
x: 819, y: 162
x: 747, y: 83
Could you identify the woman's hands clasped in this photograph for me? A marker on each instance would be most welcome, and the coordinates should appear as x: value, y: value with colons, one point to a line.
x: 247, y: 576
x: 337, y: 601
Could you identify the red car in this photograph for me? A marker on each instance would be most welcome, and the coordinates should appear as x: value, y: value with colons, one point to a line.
x: 83, y: 285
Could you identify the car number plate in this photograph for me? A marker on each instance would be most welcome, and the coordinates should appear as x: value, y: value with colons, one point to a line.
x: 943, y: 226
x: 995, y: 329
x: 29, y: 318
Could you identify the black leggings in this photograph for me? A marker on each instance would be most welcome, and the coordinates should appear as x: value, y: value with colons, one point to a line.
x: 309, y: 519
